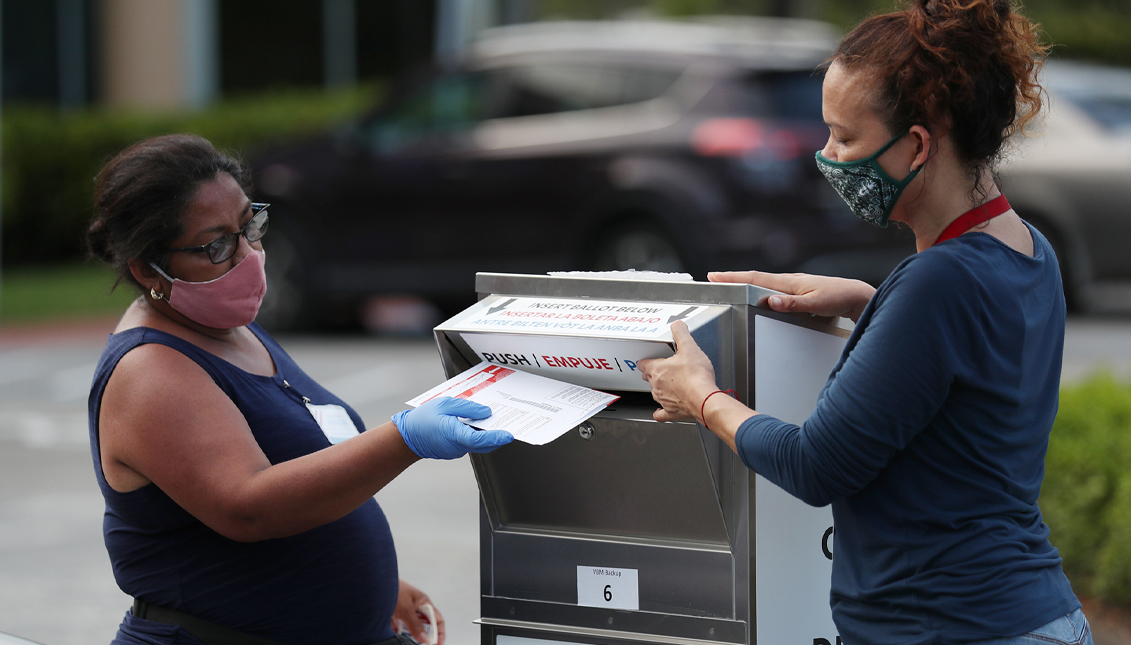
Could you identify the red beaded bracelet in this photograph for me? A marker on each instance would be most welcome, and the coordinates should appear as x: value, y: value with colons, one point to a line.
x: 704, y: 405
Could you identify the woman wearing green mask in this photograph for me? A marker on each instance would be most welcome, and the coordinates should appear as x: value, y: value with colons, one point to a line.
x: 929, y: 437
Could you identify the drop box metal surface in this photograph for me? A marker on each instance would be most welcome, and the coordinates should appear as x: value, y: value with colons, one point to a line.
x: 626, y: 530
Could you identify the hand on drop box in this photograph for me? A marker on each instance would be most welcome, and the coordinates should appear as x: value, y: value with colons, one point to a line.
x: 679, y: 383
x: 803, y: 293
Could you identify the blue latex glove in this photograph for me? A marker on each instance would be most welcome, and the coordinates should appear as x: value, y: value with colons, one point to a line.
x: 434, y: 431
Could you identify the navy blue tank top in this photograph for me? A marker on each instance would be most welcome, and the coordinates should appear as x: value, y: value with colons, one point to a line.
x: 336, y: 583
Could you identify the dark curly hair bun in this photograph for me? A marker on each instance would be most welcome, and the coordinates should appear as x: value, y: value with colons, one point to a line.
x: 963, y: 67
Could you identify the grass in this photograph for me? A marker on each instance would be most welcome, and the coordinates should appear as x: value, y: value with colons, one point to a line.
x: 80, y: 290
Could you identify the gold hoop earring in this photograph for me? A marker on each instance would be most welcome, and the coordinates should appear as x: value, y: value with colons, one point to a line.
x: 156, y: 295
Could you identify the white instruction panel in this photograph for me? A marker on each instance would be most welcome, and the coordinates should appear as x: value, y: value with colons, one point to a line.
x: 579, y: 317
x: 794, y: 557
x: 608, y: 588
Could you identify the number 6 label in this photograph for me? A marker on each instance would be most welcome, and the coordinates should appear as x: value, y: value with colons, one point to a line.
x: 610, y: 588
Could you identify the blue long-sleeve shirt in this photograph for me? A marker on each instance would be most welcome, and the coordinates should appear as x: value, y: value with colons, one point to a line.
x: 929, y: 441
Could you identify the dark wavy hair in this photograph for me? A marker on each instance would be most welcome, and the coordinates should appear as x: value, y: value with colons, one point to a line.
x: 966, y: 68
x: 140, y: 197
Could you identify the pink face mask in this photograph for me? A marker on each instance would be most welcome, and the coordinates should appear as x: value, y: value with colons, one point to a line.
x: 232, y: 300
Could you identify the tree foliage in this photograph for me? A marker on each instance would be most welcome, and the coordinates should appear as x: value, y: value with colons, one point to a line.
x: 1096, y: 30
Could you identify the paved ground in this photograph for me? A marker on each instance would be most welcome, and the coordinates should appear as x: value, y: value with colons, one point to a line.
x: 1098, y: 343
x: 55, y: 580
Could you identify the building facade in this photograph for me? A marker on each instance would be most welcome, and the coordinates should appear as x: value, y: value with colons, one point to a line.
x: 177, y: 54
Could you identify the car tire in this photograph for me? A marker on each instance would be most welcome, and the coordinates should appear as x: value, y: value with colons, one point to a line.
x: 642, y: 245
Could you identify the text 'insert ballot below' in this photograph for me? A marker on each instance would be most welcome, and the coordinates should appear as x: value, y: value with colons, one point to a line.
x: 596, y: 318
x: 535, y: 409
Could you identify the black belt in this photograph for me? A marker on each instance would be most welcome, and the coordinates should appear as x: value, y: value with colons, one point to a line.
x: 210, y: 633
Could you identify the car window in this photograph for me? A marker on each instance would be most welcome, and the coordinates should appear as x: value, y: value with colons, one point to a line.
x: 1111, y: 112
x: 785, y: 95
x: 1100, y: 91
x: 445, y: 106
x: 549, y: 88
x: 793, y: 95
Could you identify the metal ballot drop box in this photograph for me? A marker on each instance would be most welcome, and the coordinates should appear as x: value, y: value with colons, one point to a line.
x: 626, y: 530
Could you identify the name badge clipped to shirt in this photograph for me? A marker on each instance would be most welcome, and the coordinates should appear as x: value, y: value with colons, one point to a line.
x: 334, y: 421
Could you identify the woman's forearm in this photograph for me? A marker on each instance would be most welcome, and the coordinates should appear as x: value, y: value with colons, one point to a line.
x: 297, y: 495
x: 723, y: 415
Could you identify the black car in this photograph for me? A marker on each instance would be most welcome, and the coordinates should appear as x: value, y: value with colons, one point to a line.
x: 672, y: 146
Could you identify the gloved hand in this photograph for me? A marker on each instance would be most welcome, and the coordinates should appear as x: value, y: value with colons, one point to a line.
x: 434, y: 431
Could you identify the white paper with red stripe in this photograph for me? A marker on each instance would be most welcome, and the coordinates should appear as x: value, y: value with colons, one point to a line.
x: 535, y: 409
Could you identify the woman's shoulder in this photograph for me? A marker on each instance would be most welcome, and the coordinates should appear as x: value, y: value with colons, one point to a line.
x: 142, y: 358
x: 250, y: 350
x: 144, y: 340
x: 931, y: 273
x: 964, y: 279
x: 974, y: 260
x: 139, y: 327
x: 151, y: 362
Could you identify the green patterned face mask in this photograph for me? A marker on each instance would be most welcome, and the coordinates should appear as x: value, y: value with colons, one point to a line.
x: 870, y: 192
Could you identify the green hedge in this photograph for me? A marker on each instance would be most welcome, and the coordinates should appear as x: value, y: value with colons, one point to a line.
x: 1091, y: 33
x: 46, y: 294
x: 51, y: 157
x: 1086, y: 497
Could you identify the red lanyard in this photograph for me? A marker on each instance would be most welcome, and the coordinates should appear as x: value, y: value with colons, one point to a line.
x: 974, y: 217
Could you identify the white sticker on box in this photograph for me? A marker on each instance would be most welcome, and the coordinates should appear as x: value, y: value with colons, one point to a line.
x: 609, y: 588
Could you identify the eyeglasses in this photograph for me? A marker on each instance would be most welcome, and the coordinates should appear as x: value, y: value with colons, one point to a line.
x: 224, y: 247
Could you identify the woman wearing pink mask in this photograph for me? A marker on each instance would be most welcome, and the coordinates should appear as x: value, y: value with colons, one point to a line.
x: 239, y: 492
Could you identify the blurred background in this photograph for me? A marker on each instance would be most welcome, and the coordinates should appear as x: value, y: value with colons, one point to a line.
x: 406, y: 144
x: 409, y: 143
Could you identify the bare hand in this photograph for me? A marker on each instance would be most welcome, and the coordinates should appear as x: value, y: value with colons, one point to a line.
x: 409, y: 601
x: 679, y: 383
x: 812, y: 294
